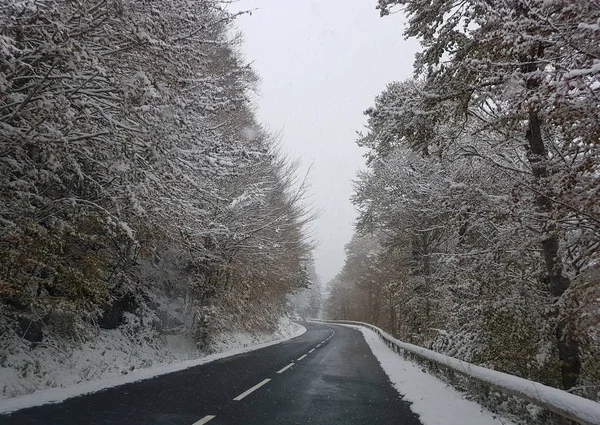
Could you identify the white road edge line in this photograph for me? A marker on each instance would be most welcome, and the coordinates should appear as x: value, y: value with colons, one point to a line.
x: 251, y: 390
x: 310, y: 351
x: 301, y: 357
x: 204, y: 420
x: 286, y: 368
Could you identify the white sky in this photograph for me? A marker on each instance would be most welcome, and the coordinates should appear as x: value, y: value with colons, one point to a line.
x: 321, y: 63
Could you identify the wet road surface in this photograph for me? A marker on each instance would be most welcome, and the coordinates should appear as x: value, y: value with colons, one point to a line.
x: 326, y: 376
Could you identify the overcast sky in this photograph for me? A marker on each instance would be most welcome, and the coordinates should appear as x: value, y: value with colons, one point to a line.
x: 321, y: 63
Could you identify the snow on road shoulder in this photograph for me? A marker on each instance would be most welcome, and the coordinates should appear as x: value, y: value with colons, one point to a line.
x: 433, y: 400
x: 231, y: 345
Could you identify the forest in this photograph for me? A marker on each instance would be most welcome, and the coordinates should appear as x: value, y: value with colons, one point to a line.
x: 478, y: 230
x: 138, y: 192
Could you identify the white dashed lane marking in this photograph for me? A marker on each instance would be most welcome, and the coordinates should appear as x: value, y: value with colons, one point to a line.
x: 204, y: 420
x: 286, y: 368
x: 251, y: 390
x: 246, y: 393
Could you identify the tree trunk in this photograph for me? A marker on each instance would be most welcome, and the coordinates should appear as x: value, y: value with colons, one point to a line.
x: 568, y: 348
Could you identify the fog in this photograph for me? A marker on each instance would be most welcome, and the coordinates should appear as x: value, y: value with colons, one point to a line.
x: 321, y: 64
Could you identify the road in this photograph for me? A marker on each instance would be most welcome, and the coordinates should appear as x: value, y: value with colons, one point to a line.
x: 326, y: 376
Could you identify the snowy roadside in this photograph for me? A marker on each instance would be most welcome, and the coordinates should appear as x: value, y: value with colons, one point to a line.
x: 436, y: 402
x: 231, y: 344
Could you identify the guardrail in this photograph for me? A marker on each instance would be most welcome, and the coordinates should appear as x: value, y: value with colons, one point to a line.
x: 564, y: 404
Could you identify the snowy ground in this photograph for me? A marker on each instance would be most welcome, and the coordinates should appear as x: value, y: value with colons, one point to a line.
x: 433, y: 400
x: 112, y: 361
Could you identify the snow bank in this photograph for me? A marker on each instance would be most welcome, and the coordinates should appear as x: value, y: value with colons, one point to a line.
x: 105, y: 352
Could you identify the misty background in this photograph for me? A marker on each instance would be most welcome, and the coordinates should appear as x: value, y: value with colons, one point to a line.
x: 322, y: 64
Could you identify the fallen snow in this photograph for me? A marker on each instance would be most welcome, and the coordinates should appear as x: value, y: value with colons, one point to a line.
x: 230, y: 344
x: 433, y: 400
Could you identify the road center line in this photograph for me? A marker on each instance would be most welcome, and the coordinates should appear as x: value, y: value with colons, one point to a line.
x: 301, y: 357
x: 204, y: 420
x: 286, y: 368
x: 310, y: 351
x: 318, y: 345
x: 251, y: 390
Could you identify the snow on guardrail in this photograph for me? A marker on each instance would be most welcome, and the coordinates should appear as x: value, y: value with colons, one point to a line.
x: 570, y: 406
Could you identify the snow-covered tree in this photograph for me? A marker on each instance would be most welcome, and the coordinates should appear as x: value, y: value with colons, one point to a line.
x: 452, y: 204
x: 132, y: 165
x: 531, y: 65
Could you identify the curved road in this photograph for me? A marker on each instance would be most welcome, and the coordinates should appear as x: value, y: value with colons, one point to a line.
x: 326, y: 376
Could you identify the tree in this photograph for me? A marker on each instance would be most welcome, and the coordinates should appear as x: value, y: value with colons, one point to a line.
x: 132, y: 166
x: 540, y: 59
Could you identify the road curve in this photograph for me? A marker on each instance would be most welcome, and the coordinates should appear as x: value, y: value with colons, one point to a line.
x: 326, y: 376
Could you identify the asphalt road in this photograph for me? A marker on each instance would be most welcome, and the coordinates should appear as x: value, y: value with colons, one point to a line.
x: 326, y: 376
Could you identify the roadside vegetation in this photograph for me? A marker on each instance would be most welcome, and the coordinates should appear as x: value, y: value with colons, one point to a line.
x: 478, y: 232
x: 138, y: 192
